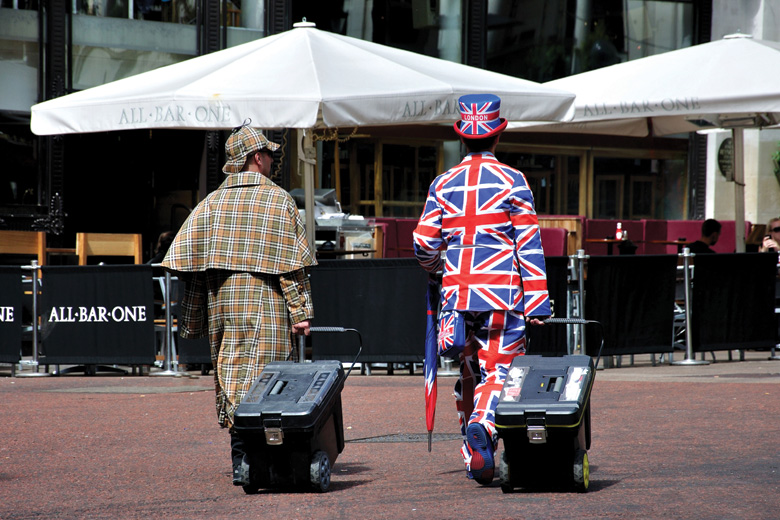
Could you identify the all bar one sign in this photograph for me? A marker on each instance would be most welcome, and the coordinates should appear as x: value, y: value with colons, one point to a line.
x: 98, y: 314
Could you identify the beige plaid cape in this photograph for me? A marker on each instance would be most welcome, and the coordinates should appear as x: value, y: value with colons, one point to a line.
x: 244, y: 254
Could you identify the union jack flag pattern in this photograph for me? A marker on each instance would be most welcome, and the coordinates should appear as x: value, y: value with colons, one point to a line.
x: 495, y: 338
x: 481, y: 214
x: 478, y: 116
x: 479, y: 228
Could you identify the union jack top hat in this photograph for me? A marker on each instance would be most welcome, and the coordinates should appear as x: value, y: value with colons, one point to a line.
x: 479, y: 116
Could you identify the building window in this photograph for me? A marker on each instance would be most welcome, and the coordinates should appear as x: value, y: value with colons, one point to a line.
x: 19, y: 184
x: 542, y: 41
x: 430, y: 27
x: 407, y: 172
x: 553, y: 178
x: 637, y: 188
x: 380, y: 178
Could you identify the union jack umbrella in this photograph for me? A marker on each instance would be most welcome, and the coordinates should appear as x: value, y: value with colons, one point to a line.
x: 431, y: 363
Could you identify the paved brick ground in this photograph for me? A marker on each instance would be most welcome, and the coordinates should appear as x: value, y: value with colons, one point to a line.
x: 668, y: 442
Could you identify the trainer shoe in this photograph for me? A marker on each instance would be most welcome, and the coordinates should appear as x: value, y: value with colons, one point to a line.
x: 482, y: 463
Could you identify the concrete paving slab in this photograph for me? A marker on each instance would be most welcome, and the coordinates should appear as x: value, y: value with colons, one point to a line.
x: 667, y: 443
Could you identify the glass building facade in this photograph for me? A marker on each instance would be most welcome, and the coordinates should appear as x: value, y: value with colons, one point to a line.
x: 59, y: 46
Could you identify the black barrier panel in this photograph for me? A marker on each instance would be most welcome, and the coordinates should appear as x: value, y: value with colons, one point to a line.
x: 384, y: 299
x: 551, y: 340
x: 193, y: 351
x: 633, y: 298
x: 733, y: 301
x: 10, y: 314
x: 98, y: 315
x: 190, y: 351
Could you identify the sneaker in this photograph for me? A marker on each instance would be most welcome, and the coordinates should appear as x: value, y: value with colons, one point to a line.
x: 482, y: 463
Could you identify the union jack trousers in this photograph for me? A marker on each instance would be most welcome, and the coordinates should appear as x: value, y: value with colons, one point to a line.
x: 492, y: 340
x: 479, y: 228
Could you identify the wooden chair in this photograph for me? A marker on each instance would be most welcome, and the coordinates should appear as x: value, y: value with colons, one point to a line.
x: 24, y: 243
x: 108, y: 244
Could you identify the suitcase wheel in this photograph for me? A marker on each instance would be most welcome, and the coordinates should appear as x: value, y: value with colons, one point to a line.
x: 581, y: 471
x: 319, y: 471
x: 251, y: 489
x: 504, y: 474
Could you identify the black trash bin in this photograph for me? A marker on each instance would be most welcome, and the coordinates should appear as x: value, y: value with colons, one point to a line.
x: 291, y: 422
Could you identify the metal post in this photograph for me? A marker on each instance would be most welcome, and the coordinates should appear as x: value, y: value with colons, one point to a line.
x: 581, y: 257
x: 301, y: 348
x: 168, y: 343
x: 738, y: 158
x: 34, y: 267
x: 571, y: 278
x: 690, y: 357
x: 773, y: 352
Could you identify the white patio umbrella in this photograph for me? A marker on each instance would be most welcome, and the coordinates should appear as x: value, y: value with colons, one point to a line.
x: 733, y: 83
x: 303, y: 78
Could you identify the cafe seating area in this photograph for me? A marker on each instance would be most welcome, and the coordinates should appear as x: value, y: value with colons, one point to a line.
x: 595, y: 236
x: 110, y: 315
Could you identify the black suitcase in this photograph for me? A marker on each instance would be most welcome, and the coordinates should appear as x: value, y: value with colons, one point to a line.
x: 543, y: 417
x: 291, y: 422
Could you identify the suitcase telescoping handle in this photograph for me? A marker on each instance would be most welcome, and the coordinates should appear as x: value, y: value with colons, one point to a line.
x: 342, y: 329
x: 581, y: 321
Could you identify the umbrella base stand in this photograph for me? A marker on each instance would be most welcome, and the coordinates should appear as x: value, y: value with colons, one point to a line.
x: 446, y: 365
x: 690, y: 361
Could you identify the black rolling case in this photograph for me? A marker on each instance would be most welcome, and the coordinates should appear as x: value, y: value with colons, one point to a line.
x: 291, y: 422
x: 543, y: 417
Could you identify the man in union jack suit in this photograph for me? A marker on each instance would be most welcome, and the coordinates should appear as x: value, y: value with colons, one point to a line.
x: 479, y: 228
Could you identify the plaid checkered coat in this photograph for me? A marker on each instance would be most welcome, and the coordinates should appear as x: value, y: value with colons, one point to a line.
x: 244, y: 254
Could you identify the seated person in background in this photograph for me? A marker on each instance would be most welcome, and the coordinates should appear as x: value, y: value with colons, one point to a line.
x: 710, y: 232
x: 163, y: 243
x: 772, y: 238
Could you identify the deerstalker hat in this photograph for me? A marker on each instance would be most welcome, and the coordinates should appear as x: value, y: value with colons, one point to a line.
x: 242, y: 142
x: 479, y: 114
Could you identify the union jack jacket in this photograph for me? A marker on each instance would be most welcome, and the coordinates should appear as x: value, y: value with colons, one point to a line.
x: 481, y: 215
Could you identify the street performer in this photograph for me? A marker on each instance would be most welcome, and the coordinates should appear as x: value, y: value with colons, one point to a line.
x: 479, y: 228
x: 244, y: 255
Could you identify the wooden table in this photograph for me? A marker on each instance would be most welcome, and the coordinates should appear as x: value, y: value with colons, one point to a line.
x: 679, y: 243
x: 609, y: 241
x: 334, y: 253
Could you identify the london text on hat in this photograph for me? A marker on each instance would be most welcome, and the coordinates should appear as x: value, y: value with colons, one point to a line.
x: 243, y: 141
x: 479, y: 115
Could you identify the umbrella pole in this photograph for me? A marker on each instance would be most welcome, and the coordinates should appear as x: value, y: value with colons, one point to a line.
x: 739, y: 188
x: 307, y: 160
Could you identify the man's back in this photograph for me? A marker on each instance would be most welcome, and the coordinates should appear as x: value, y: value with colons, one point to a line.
x: 481, y: 212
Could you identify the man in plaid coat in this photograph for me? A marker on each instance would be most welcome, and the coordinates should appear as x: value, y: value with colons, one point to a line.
x: 244, y: 255
x: 479, y: 228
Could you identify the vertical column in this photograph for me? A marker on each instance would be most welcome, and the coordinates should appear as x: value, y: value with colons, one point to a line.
x: 476, y: 34
x: 54, y: 42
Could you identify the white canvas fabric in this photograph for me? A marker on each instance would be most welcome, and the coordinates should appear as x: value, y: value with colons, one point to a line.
x: 712, y: 85
x: 302, y: 78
